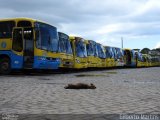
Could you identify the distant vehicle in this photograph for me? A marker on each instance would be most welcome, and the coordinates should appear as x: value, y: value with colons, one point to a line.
x: 155, y: 61
x: 140, y: 60
x: 79, y: 52
x: 130, y: 58
x: 27, y: 44
x: 147, y: 61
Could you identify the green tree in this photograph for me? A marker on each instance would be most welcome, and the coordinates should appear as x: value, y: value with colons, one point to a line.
x: 158, y: 49
x: 145, y: 50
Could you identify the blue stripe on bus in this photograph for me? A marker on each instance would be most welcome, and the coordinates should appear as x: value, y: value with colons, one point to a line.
x: 17, y: 61
x: 45, y: 64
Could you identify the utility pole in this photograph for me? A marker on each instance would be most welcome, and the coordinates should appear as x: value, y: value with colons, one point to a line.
x: 122, y: 42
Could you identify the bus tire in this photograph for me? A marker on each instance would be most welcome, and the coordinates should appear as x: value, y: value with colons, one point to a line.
x: 5, y: 66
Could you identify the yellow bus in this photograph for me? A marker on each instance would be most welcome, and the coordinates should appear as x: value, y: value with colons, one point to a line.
x: 65, y: 51
x: 92, y: 53
x: 27, y: 44
x: 140, y: 60
x: 114, y: 56
x: 110, y: 62
x: 101, y: 56
x: 79, y: 52
x: 119, y: 57
x: 147, y: 61
x: 130, y: 58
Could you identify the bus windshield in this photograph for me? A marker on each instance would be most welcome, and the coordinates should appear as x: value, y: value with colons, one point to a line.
x: 119, y: 53
x: 80, y: 48
x: 6, y: 29
x: 109, y: 53
x: 114, y: 53
x: 101, y: 52
x: 64, y: 43
x: 140, y: 58
x: 91, y: 49
x: 46, y: 37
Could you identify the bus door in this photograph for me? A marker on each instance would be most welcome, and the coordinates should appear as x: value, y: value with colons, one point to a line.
x: 23, y: 42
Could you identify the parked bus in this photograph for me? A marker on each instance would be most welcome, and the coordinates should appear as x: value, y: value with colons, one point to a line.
x: 140, y: 60
x: 130, y: 58
x: 110, y: 62
x: 146, y: 60
x: 79, y: 52
x: 155, y: 60
x: 27, y: 44
x: 65, y: 51
x: 119, y: 57
x: 101, y: 56
x: 114, y: 56
x: 92, y: 53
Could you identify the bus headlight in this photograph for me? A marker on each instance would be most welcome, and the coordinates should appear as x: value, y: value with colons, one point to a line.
x: 41, y: 58
x: 77, y: 61
x: 58, y: 60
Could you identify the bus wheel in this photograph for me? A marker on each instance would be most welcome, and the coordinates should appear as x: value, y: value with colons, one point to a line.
x: 5, y: 66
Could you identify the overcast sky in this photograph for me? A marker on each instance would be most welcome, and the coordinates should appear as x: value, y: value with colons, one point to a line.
x: 105, y: 21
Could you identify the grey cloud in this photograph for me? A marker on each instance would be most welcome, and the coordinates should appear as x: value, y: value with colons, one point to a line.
x: 86, y: 17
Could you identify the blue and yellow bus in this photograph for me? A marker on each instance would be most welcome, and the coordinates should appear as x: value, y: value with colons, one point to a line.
x: 27, y: 44
x: 79, y: 52
x: 65, y: 51
x: 92, y: 53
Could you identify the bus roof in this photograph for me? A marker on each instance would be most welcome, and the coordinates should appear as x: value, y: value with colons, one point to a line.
x: 74, y: 37
x: 18, y: 19
x: 62, y: 33
x: 24, y: 18
x: 127, y: 49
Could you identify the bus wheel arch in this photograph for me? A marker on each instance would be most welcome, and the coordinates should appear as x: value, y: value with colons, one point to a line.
x: 5, y: 64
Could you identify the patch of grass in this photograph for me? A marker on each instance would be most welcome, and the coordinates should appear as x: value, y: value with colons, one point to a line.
x: 45, y: 79
x: 89, y: 75
x: 111, y: 72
